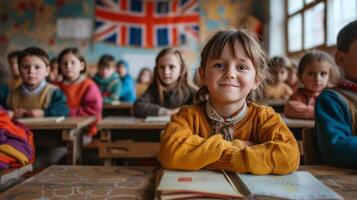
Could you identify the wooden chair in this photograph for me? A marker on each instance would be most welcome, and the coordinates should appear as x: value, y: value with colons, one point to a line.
x: 311, y: 153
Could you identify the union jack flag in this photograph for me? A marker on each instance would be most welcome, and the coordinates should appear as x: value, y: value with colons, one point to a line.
x: 146, y: 23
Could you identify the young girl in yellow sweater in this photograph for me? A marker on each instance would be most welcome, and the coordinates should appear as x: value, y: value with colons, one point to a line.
x: 224, y: 129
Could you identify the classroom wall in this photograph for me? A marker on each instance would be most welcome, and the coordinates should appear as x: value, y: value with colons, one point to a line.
x: 26, y: 23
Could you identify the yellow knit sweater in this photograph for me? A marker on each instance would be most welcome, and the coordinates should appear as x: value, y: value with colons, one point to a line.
x: 186, y: 143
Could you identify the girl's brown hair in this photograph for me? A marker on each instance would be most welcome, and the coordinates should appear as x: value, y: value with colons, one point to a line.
x: 319, y: 56
x: 214, y: 48
x: 182, y: 88
x: 75, y: 52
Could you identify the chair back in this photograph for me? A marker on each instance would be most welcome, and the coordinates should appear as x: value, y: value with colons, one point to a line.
x: 310, y: 147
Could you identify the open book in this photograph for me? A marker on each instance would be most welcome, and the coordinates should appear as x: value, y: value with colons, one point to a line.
x: 31, y: 120
x: 211, y: 184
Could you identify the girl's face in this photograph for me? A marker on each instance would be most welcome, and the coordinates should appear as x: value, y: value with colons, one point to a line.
x: 33, y: 70
x: 230, y: 78
x: 282, y: 74
x: 315, y: 76
x: 71, y: 67
x: 145, y: 77
x: 169, y: 70
x: 292, y: 77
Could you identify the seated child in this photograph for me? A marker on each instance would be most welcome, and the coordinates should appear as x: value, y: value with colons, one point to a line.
x: 12, y: 59
x: 169, y: 89
x: 107, y: 80
x: 293, y: 79
x: 83, y: 95
x: 143, y: 81
x: 54, y: 76
x: 16, y: 143
x: 277, y: 88
x: 224, y: 130
x: 316, y: 69
x: 35, y: 97
x: 128, y: 93
x: 336, y: 108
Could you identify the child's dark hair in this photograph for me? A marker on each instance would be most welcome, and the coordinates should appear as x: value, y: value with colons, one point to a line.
x: 13, y: 54
x: 75, y: 52
x: 346, y: 36
x: 34, y: 51
x: 319, y: 56
x: 214, y: 48
x: 182, y: 87
x: 54, y: 60
x: 106, y: 60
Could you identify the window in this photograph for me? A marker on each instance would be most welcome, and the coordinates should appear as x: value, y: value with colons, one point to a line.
x: 315, y: 23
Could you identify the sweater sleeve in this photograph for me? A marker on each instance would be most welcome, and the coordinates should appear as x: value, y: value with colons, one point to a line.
x: 298, y: 109
x: 275, y: 152
x: 114, y: 93
x: 58, y: 105
x: 336, y: 140
x: 182, y: 147
x: 91, y: 103
x: 145, y: 106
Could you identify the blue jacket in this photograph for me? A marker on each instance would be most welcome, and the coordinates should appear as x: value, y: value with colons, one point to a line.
x: 333, y: 124
x: 128, y: 91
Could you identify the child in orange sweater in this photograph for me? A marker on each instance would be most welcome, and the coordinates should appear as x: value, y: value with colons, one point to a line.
x: 83, y: 95
x: 224, y: 130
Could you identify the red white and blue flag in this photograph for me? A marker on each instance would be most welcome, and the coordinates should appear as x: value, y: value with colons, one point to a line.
x: 146, y: 23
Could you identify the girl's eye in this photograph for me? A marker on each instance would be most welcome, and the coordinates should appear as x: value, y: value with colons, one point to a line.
x: 242, y: 67
x: 37, y: 67
x: 324, y: 74
x: 219, y: 66
x: 172, y: 66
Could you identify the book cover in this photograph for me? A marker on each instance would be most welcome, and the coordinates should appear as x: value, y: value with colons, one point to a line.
x: 195, y: 184
x: 176, y: 184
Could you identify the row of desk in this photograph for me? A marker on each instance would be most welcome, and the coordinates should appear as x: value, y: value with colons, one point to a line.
x: 69, y: 130
x: 103, y: 182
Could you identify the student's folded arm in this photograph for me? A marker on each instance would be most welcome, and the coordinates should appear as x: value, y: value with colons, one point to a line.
x: 91, y: 103
x: 336, y: 140
x: 144, y: 106
x: 182, y: 148
x: 298, y: 109
x: 58, y: 105
x: 276, y: 152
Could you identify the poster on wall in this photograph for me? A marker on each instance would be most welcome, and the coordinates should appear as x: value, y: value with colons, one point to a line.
x: 146, y: 23
x: 71, y: 28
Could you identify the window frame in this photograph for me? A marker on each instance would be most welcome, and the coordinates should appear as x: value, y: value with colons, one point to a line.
x: 302, y: 11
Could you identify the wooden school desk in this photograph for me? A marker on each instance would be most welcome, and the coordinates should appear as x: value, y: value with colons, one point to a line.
x: 117, y: 109
x: 134, y: 128
x: 67, y: 131
x: 277, y: 104
x: 298, y: 123
x: 87, y: 182
x: 341, y: 180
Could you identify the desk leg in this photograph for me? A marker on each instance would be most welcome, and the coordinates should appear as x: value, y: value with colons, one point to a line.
x: 74, y: 145
x: 105, y: 136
